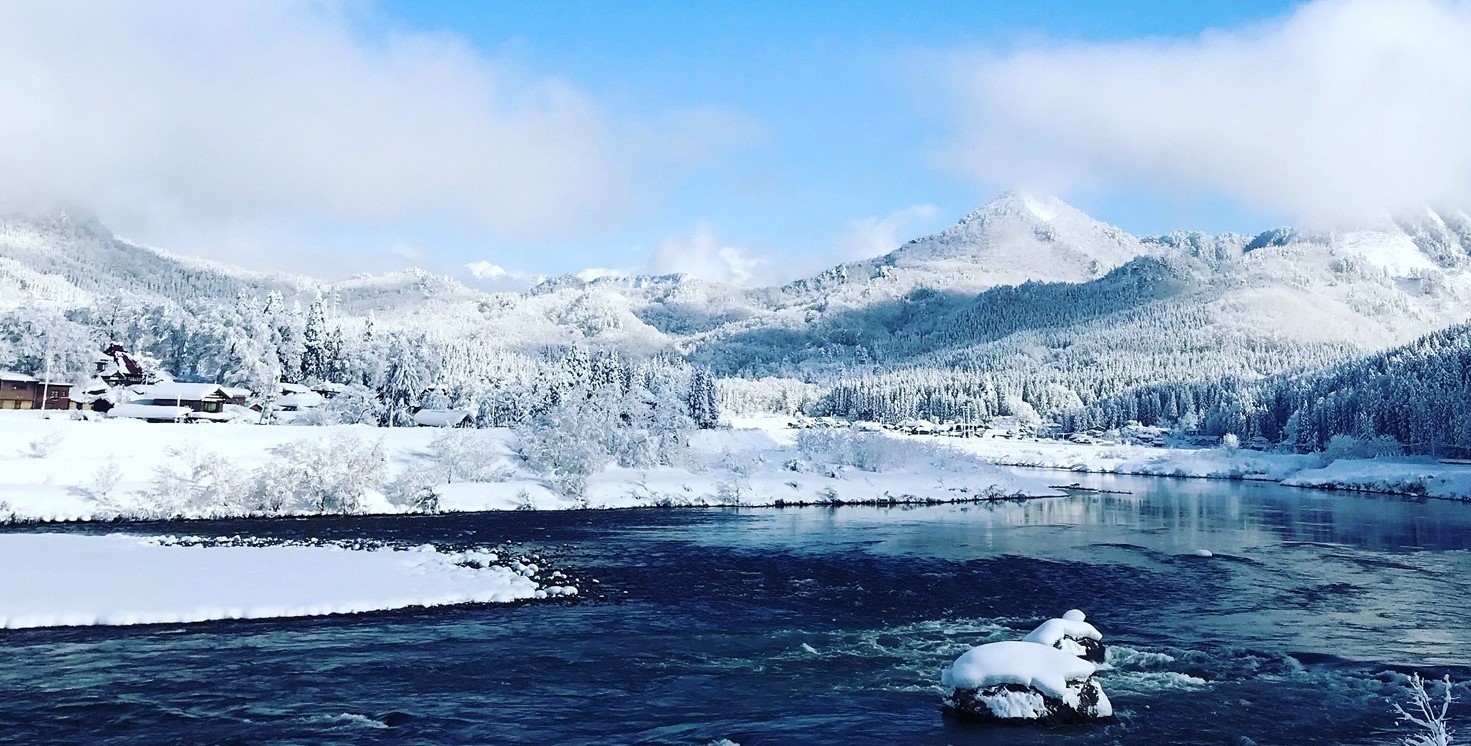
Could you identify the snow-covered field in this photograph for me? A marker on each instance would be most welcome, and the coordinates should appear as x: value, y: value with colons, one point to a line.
x: 63, y: 469
x: 71, y: 580
x: 1401, y: 476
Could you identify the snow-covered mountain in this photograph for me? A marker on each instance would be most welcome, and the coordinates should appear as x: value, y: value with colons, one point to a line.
x: 1025, y: 297
x: 1013, y: 239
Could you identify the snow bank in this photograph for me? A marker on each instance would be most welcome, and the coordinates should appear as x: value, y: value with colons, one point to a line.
x: 70, y: 580
x: 113, y: 468
x: 1214, y: 463
x: 1395, y: 476
x: 1392, y: 476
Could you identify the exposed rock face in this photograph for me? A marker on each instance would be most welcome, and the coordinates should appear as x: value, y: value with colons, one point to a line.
x: 1083, y: 701
x: 1086, y: 648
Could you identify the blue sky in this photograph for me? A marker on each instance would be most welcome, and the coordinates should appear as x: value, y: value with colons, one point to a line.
x: 838, y: 90
x: 746, y: 141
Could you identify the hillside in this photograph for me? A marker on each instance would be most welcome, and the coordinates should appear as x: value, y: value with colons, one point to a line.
x: 1025, y: 304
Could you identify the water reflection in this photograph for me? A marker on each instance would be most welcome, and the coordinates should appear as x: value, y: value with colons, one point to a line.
x: 1361, y: 577
x: 1168, y: 515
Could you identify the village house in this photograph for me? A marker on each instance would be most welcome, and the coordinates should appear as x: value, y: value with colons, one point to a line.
x: 178, y: 402
x: 20, y: 391
x: 116, y: 367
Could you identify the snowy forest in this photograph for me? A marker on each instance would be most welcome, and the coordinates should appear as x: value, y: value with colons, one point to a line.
x: 260, y: 343
x: 1416, y: 398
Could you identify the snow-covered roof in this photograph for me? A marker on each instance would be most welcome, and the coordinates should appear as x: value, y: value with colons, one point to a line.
x: 88, y: 391
x: 116, y: 360
x: 301, y: 400
x: 148, y: 412
x: 10, y: 375
x: 236, y: 392
x: 294, y: 388
x: 1046, y: 669
x: 191, y: 391
x: 440, y: 417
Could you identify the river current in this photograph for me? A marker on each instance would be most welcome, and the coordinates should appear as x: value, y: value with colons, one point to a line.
x: 812, y: 626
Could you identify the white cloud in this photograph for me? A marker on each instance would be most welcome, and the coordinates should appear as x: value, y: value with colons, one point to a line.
x: 405, y: 251
x: 701, y: 254
x: 1340, y: 108
x: 869, y: 237
x: 171, y: 117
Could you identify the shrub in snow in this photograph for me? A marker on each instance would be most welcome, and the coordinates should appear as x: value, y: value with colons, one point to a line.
x: 867, y: 451
x: 524, y: 501
x: 105, y: 480
x: 330, y: 475
x: 192, y: 482
x: 43, y: 446
x: 587, y: 430
x: 1230, y: 442
x: 1025, y: 413
x: 470, y: 456
x: 1347, y: 446
x: 1427, y: 715
x: 731, y: 493
x: 354, y: 405
x: 565, y: 460
x: 414, y: 489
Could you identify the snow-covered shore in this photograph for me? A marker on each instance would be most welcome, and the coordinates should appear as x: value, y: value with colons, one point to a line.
x: 1396, y: 476
x: 77, y: 580
x: 61, y: 469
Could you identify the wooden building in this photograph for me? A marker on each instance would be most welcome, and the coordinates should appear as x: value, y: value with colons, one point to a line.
x: 116, y: 367
x: 205, y: 401
x: 20, y: 391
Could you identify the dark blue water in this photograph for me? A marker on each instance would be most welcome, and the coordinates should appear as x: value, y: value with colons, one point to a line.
x: 812, y: 626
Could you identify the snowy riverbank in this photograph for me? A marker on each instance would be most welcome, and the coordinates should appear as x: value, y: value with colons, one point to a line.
x: 1397, y: 476
x: 77, y: 580
x: 63, y: 469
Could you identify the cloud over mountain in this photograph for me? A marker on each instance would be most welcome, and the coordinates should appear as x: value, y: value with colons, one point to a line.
x: 1340, y: 108
x: 161, y: 113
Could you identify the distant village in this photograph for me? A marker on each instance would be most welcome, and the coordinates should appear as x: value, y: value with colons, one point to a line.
x: 119, y: 387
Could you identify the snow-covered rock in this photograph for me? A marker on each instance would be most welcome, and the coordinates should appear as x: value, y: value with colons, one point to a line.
x: 1024, y: 681
x: 1072, y: 635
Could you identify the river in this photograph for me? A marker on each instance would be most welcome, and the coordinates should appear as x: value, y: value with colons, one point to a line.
x: 812, y: 625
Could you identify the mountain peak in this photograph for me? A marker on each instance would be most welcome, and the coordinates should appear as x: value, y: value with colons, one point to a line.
x: 1015, y: 204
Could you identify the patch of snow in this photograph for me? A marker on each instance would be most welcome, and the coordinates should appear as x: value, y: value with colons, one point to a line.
x: 1052, y: 631
x: 74, y: 580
